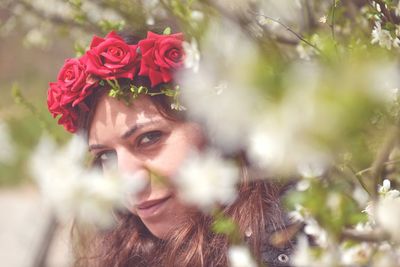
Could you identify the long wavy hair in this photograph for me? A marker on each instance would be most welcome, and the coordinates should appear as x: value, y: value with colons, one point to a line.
x: 193, y: 243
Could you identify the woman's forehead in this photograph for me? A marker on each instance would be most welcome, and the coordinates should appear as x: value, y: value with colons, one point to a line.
x: 113, y: 117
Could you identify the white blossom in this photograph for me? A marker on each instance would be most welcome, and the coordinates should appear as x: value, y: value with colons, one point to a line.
x: 305, y: 51
x: 387, y: 214
x: 206, y: 179
x: 223, y: 63
x: 73, y: 191
x: 177, y: 106
x: 304, y: 256
x: 313, y: 229
x: 36, y: 37
x: 358, y: 255
x: 192, y: 60
x: 383, y: 80
x: 386, y: 191
x: 383, y: 37
x: 397, y: 10
x: 286, y: 11
x: 240, y: 256
x: 361, y: 196
x: 197, y: 15
x: 298, y: 214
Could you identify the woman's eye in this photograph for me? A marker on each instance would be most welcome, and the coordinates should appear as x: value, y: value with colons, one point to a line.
x: 106, y: 160
x: 148, y: 138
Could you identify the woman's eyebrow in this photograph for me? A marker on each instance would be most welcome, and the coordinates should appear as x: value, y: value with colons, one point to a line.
x: 137, y: 126
x: 126, y: 134
x: 96, y: 146
x: 131, y: 131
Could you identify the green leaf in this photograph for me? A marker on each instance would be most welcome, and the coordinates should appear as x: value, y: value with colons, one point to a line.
x: 167, y: 31
x: 224, y: 225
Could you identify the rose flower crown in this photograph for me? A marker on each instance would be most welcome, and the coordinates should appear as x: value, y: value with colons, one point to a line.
x: 156, y: 57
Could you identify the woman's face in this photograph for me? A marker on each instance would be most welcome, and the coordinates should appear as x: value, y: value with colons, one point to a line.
x: 141, y: 140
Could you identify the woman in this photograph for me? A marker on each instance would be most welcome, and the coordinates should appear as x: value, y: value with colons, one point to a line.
x: 119, y: 95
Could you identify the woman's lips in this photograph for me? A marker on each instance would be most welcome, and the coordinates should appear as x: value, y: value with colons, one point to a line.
x: 150, y: 208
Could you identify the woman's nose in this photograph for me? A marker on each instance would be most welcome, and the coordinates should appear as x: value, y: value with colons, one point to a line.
x: 128, y: 163
x: 133, y: 169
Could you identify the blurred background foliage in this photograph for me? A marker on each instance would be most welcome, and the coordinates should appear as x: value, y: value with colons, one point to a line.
x: 38, y: 35
x: 327, y: 73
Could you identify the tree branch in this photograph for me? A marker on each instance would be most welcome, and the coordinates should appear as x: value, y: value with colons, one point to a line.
x: 89, y: 27
x: 301, y: 38
x: 375, y: 236
x: 383, y: 155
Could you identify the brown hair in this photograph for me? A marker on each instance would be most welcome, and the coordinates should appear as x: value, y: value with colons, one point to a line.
x: 193, y: 243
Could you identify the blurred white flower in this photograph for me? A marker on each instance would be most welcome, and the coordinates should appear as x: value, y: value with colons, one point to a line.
x: 73, y: 191
x: 397, y: 9
x: 313, y: 229
x: 385, y: 187
x: 37, y: 38
x: 276, y: 145
x: 322, y: 19
x: 304, y: 256
x: 96, y: 12
x: 298, y: 214
x: 286, y: 11
x: 234, y: 4
x: 383, y: 80
x: 387, y: 214
x: 240, y: 256
x: 384, y: 261
x: 383, y: 37
x: 197, y: 15
x: 54, y: 7
x: 7, y: 151
x: 267, y: 147
x: 206, y: 179
x: 361, y: 196
x: 192, y: 60
x: 388, y: 255
x: 358, y: 255
x: 177, y: 106
x: 229, y: 113
x: 386, y: 191
x: 280, y: 141
x: 313, y: 168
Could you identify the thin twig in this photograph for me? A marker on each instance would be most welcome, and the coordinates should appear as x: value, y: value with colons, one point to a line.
x: 390, y: 162
x: 290, y: 30
x: 359, y: 179
x: 385, y: 11
x: 332, y: 25
x: 375, y: 236
x: 379, y: 163
x: 59, y: 20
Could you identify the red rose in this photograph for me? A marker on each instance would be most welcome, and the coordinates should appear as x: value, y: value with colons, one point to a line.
x: 69, y: 120
x: 68, y: 116
x: 161, y: 56
x: 112, y: 58
x: 74, y: 81
x: 54, y: 95
x: 72, y: 87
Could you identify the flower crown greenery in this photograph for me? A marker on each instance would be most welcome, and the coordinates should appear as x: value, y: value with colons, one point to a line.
x: 109, y: 59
